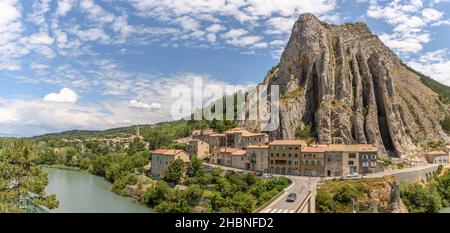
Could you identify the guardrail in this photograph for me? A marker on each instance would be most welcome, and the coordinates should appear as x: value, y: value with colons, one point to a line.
x: 304, y: 203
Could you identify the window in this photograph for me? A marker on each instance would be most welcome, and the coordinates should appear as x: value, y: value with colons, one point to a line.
x: 296, y: 162
x: 284, y: 155
x: 289, y: 148
x: 289, y: 155
x: 329, y: 159
x: 289, y: 162
x: 373, y: 164
x: 365, y: 156
x: 352, y: 156
x: 278, y: 155
x: 365, y: 164
x: 296, y: 155
x: 296, y: 147
x: 373, y: 156
x: 350, y: 163
x: 271, y: 161
x: 271, y: 154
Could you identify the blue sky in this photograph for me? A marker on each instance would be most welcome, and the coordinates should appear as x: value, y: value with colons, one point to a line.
x: 97, y: 64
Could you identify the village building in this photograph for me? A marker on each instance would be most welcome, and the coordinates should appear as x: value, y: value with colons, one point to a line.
x: 239, y: 160
x: 254, y: 139
x: 241, y: 138
x: 437, y: 157
x: 258, y: 157
x: 215, y: 140
x: 284, y: 156
x: 313, y: 160
x: 222, y: 156
x: 198, y: 148
x: 162, y: 158
x: 343, y: 160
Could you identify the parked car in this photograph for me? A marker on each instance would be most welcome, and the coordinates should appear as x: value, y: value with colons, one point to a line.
x: 353, y: 174
x: 258, y: 173
x: 268, y: 175
x: 291, y: 197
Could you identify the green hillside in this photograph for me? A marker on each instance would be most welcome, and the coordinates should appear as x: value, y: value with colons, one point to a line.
x: 442, y: 89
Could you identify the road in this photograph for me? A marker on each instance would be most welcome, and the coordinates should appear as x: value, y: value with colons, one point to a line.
x: 300, y: 185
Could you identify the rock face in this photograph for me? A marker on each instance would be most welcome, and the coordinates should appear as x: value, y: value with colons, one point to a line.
x: 346, y: 84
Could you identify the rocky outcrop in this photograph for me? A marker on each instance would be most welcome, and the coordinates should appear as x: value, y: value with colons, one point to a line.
x: 348, y: 86
x: 396, y: 204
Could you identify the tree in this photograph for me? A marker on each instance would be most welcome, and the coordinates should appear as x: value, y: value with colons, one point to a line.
x: 243, y: 202
x: 174, y: 172
x: 195, y: 168
x: 136, y: 146
x: 446, y: 124
x: 22, y: 181
x: 324, y: 202
x: 156, y: 194
x: 420, y: 199
x: 193, y: 195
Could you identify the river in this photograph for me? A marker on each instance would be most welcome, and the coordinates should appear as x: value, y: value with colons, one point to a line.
x: 81, y: 192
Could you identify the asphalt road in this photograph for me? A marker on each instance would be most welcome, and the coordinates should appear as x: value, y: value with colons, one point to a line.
x: 300, y: 186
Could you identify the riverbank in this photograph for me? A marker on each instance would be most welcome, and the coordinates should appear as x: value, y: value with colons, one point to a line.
x: 63, y: 167
x: 82, y: 192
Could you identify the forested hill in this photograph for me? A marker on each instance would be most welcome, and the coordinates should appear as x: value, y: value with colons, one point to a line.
x: 442, y: 89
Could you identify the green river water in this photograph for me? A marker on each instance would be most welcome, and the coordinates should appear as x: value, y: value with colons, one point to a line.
x: 81, y: 192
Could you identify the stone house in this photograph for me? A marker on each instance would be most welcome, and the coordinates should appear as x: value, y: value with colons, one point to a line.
x: 284, y: 156
x: 258, y: 157
x: 162, y: 158
x: 222, y: 156
x: 198, y: 148
x: 239, y: 160
x: 313, y: 160
x: 343, y: 160
x: 437, y: 157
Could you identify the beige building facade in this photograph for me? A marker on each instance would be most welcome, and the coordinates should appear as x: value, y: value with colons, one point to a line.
x: 239, y: 160
x: 258, y: 157
x: 285, y: 156
x: 162, y: 158
x: 198, y: 148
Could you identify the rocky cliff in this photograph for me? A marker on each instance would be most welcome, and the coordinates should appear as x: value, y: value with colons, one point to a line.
x: 346, y: 85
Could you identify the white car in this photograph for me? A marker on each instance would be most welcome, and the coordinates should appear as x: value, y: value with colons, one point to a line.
x: 353, y: 174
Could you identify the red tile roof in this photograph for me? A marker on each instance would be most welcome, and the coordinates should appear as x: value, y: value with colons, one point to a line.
x: 288, y: 143
x: 238, y: 153
x: 166, y: 152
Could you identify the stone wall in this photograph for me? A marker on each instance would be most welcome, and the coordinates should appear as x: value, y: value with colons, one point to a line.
x: 416, y: 175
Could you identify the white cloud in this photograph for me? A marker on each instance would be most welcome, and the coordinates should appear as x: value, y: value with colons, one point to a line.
x: 40, y: 38
x: 65, y: 95
x: 144, y: 105
x: 409, y: 20
x: 435, y: 64
x: 215, y: 28
x: 9, y: 14
x: 64, y: 6
x: 431, y: 14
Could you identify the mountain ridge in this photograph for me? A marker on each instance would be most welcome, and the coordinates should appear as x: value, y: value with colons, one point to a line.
x: 346, y: 85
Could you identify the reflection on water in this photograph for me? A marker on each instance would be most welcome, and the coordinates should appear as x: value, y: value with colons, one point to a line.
x: 81, y: 192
